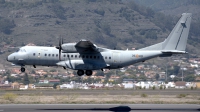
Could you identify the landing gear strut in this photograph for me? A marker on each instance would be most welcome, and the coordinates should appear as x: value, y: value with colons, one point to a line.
x: 22, y: 69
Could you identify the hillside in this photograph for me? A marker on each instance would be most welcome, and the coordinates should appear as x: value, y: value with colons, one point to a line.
x: 173, y: 7
x: 107, y: 23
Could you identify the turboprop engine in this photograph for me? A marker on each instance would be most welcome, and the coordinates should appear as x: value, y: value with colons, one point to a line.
x: 69, y: 48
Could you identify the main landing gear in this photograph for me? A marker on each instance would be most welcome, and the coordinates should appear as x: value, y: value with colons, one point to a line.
x: 22, y: 69
x: 87, y: 72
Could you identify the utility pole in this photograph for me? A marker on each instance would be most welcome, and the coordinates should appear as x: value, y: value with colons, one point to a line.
x: 166, y: 74
x: 182, y: 69
x: 182, y: 73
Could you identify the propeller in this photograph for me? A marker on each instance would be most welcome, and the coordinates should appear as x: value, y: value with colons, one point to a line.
x: 60, y: 47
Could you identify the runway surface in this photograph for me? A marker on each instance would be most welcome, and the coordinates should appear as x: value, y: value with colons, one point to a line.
x: 99, y: 108
x: 109, y: 92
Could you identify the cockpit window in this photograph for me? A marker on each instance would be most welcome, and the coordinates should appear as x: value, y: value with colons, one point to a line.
x: 18, y: 50
x: 21, y: 50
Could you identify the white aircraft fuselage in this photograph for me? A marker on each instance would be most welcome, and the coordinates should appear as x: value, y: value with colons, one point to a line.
x: 48, y: 56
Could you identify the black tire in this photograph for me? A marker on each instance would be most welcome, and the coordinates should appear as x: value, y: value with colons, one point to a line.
x: 88, y: 72
x: 80, y: 72
x: 23, y: 69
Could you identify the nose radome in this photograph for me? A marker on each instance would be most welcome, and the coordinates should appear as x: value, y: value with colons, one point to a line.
x: 8, y: 58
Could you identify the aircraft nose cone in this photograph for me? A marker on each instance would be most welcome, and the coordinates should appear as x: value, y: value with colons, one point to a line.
x: 8, y: 58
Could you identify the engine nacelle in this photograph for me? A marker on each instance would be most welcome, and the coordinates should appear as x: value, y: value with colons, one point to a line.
x: 69, y: 48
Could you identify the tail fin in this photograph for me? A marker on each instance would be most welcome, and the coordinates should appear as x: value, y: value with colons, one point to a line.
x: 177, y: 39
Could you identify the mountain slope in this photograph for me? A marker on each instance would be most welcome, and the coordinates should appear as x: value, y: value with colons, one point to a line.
x: 108, y: 23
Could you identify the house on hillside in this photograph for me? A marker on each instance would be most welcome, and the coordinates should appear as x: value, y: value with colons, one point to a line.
x: 43, y: 86
x: 23, y: 87
x: 5, y: 86
x: 15, y: 85
x: 128, y: 80
x: 1, y: 80
x: 54, y: 81
x: 180, y: 84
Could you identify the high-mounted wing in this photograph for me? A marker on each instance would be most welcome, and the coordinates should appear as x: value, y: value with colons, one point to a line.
x: 84, y: 46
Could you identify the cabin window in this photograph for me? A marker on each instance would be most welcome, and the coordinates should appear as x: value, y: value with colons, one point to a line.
x: 45, y: 54
x: 53, y: 55
x: 83, y: 56
x: 33, y: 54
x: 56, y: 55
x: 106, y: 57
x: 94, y: 57
x: 64, y: 55
x: 72, y: 56
x: 86, y: 56
x: 49, y: 55
x: 109, y: 57
x: 68, y: 56
x: 98, y: 57
x: 75, y: 56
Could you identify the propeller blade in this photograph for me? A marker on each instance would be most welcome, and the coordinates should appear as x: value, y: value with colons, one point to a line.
x: 59, y: 47
x: 60, y: 54
x: 62, y: 40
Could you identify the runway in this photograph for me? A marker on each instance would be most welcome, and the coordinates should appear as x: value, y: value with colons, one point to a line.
x: 99, y: 108
x: 109, y: 92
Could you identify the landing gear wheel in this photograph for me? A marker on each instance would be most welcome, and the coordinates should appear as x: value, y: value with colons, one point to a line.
x: 22, y: 69
x: 80, y: 72
x: 88, y: 72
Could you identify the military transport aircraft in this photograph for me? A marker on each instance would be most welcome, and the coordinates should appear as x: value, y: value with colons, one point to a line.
x: 85, y: 56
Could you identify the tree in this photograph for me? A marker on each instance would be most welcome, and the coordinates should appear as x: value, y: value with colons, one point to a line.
x: 151, y: 35
x: 189, y: 78
x: 157, y: 76
x: 106, y: 28
x: 176, y: 69
x: 59, y: 11
x: 2, y: 1
x: 55, y: 85
x: 6, y: 25
x: 26, y: 79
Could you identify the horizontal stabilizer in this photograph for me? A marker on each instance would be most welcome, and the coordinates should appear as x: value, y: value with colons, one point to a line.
x: 174, y: 52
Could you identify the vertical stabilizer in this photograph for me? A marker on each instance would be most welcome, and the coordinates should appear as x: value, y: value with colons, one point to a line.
x: 177, y: 39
